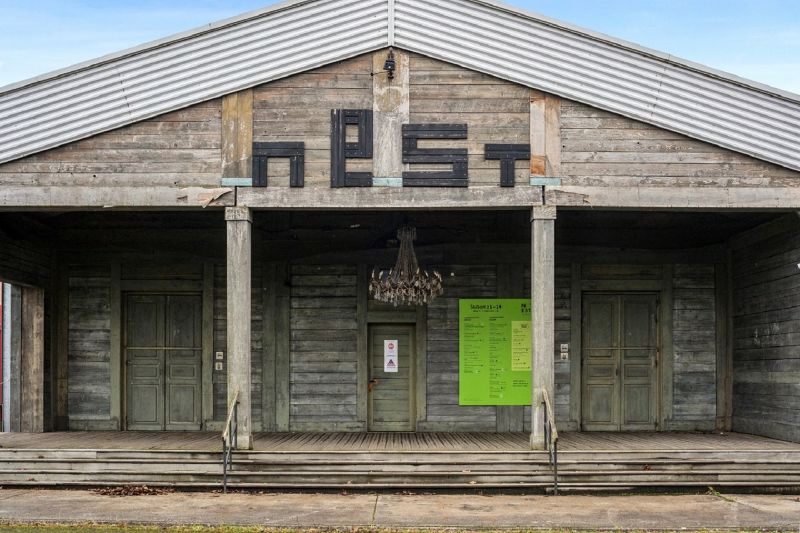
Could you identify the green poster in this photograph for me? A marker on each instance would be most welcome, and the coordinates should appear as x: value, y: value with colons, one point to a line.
x: 494, y: 352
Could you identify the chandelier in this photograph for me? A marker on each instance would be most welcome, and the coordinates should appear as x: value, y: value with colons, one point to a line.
x: 406, y: 283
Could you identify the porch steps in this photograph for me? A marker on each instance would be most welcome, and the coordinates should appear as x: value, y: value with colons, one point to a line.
x: 597, y: 470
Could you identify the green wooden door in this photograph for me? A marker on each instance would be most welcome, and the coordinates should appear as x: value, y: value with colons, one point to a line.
x: 391, y: 396
x: 163, y: 349
x: 620, y: 349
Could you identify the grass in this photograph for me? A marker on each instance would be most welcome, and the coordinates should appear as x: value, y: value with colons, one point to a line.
x: 95, y: 528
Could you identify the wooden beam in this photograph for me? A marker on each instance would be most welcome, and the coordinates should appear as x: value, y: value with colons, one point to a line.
x: 237, y: 135
x: 32, y: 361
x: 391, y: 109
x: 545, y: 134
x: 674, y: 198
x: 543, y: 316
x: 390, y: 198
x: 87, y: 198
x: 239, y: 278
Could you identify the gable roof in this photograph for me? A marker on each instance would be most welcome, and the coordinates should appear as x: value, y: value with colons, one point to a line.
x: 482, y: 35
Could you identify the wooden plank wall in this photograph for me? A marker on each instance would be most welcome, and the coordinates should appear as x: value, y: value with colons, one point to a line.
x: 89, y: 353
x: 563, y: 324
x: 694, y: 347
x: 766, y: 345
x: 324, y: 358
x: 298, y: 108
x: 605, y: 149
x: 443, y: 411
x: 495, y: 110
x: 181, y: 149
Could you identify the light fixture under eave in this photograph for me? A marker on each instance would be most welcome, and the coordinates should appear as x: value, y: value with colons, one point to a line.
x: 406, y: 283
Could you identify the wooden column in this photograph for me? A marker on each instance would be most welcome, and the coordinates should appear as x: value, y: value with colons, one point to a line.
x: 543, y: 316
x: 545, y: 135
x: 237, y: 135
x: 239, y: 228
x: 391, y: 110
x: 12, y: 350
x: 32, y: 362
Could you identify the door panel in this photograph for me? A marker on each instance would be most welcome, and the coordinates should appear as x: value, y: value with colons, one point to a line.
x: 600, y: 405
x: 163, y: 350
x: 391, y: 400
x: 619, y: 362
x: 144, y: 326
x: 184, y: 353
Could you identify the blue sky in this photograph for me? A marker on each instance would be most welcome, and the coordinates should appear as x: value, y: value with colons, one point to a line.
x: 754, y: 39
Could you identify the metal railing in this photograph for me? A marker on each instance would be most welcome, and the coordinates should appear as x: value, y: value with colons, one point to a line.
x: 229, y: 440
x: 551, y: 437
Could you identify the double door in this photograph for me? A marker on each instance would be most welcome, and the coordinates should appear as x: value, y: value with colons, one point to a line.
x: 620, y: 358
x: 162, y: 344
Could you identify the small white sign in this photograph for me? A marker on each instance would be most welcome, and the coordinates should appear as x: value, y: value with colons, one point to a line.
x: 390, y: 364
x: 390, y: 348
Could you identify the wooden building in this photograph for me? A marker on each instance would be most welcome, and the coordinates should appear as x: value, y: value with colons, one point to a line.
x: 194, y: 222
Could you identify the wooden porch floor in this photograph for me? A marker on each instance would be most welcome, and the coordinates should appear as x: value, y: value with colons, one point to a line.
x: 422, y: 442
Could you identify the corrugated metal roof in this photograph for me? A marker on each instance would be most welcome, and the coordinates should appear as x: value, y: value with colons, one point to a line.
x: 605, y: 73
x: 185, y: 70
x: 478, y: 34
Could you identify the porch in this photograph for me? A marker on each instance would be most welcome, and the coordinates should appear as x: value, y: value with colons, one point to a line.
x: 465, y: 460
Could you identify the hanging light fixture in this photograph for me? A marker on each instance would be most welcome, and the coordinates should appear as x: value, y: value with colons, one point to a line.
x: 406, y: 283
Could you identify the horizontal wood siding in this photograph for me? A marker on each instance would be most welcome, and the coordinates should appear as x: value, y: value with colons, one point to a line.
x: 694, y: 346
x: 602, y: 148
x: 496, y: 112
x: 766, y: 346
x: 219, y: 378
x: 563, y: 322
x: 89, y: 359
x: 181, y: 148
x: 298, y: 108
x: 323, y: 349
x: 443, y: 412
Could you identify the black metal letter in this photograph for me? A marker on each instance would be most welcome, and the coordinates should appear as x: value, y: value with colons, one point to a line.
x: 458, y: 157
x: 508, y: 154
x: 262, y: 152
x: 341, y: 150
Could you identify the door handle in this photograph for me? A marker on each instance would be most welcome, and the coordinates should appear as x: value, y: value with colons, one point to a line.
x: 372, y: 384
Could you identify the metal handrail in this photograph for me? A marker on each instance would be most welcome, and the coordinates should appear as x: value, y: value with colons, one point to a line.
x: 551, y: 437
x: 229, y: 440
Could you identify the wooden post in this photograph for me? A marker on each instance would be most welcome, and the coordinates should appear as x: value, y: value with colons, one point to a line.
x: 237, y: 135
x: 31, y: 378
x: 239, y: 227
x: 391, y: 111
x: 12, y: 345
x: 543, y: 316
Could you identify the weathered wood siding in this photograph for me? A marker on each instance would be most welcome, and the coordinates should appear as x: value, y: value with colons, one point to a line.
x: 324, y: 356
x: 496, y: 112
x: 444, y: 413
x: 766, y: 348
x: 181, y: 148
x: 89, y: 358
x: 694, y: 346
x: 602, y: 148
x: 220, y: 377
x: 298, y: 108
x: 563, y: 324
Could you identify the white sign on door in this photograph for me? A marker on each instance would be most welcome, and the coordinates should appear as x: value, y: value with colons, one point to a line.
x: 390, y: 359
